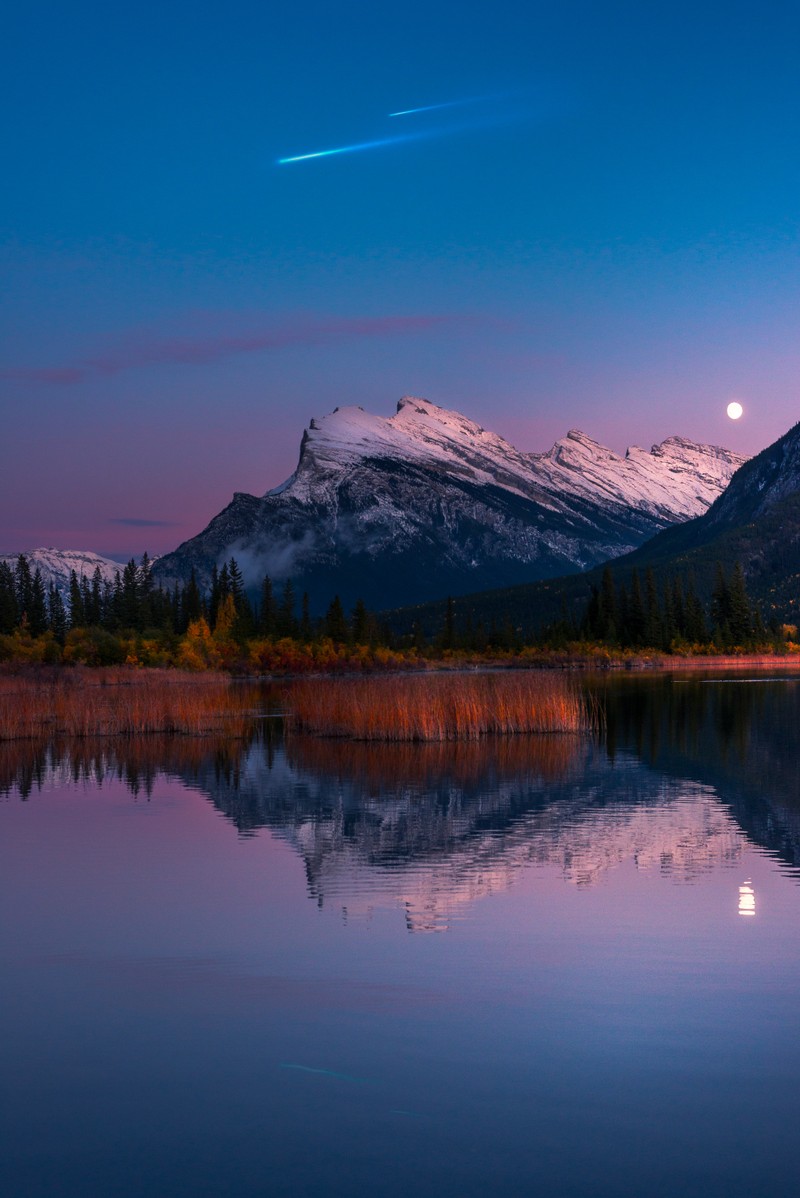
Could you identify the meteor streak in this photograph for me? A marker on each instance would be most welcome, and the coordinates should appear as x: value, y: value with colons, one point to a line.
x: 448, y: 104
x: 361, y: 145
x: 443, y: 130
x: 430, y: 107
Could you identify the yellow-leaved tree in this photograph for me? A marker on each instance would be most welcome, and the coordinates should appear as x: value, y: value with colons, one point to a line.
x: 198, y: 649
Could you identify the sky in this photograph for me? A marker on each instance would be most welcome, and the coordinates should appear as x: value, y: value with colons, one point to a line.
x: 593, y: 224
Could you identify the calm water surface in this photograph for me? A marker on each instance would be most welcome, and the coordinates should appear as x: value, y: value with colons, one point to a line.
x: 530, y: 967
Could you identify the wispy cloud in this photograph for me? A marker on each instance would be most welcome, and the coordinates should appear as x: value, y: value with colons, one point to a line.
x: 147, y: 349
x: 139, y: 522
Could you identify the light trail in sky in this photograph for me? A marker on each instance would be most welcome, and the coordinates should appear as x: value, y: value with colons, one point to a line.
x: 423, y: 133
x: 361, y: 145
x: 488, y: 99
x: 431, y: 107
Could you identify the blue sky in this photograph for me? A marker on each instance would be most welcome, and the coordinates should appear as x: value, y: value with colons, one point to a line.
x: 604, y: 236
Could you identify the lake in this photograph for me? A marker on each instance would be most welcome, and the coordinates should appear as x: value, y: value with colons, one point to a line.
x: 526, y: 966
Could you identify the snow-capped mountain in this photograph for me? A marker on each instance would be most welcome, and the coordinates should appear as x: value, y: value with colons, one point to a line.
x: 756, y: 521
x: 434, y: 837
x: 56, y: 565
x: 427, y: 502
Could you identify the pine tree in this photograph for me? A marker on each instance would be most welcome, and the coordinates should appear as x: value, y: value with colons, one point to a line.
x: 359, y: 623
x: 591, y: 622
x: 740, y: 617
x: 94, y: 610
x: 191, y: 603
x: 759, y: 631
x: 224, y: 582
x: 116, y: 602
x: 86, y: 598
x: 244, y: 613
x: 9, y: 612
x: 146, y: 613
x: 286, y: 622
x: 23, y: 585
x: 175, y: 611
x: 721, y: 604
x: 77, y: 615
x: 130, y: 611
x: 653, y: 623
x: 637, y: 624
x: 235, y: 582
x: 448, y: 636
x: 668, y: 626
x: 678, y: 607
x: 267, y: 612
x: 108, y: 619
x: 696, y: 630
x: 623, y: 615
x: 335, y: 623
x: 607, y: 607
x: 306, y: 628
x: 37, y: 614
x: 214, y: 597
x: 56, y: 614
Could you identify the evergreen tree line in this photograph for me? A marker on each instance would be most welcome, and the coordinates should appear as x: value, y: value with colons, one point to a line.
x: 132, y: 603
x: 637, y: 615
x: 643, y: 615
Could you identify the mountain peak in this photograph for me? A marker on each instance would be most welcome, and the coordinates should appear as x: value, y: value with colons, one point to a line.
x: 676, y: 479
x: 427, y: 501
x: 56, y: 565
x: 414, y: 410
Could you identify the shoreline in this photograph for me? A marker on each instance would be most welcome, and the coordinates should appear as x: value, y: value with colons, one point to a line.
x: 597, y: 662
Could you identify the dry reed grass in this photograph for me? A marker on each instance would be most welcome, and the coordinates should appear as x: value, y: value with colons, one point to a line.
x: 110, y: 702
x: 438, y: 707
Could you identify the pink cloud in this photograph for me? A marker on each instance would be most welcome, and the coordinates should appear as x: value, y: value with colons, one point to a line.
x: 150, y: 350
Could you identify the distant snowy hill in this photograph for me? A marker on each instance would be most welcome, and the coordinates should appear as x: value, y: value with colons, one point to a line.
x: 56, y: 565
x: 427, y: 502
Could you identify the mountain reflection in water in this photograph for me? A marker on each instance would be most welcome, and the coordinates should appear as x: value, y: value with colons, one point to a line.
x: 686, y: 772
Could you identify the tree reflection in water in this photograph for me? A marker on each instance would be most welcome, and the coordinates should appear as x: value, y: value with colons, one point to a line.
x: 686, y: 770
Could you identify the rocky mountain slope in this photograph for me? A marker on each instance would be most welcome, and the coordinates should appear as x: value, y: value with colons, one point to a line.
x: 755, y: 521
x: 55, y: 565
x: 427, y: 503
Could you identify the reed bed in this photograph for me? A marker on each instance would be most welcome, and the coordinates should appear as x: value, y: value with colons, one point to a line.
x: 88, y: 703
x: 438, y: 707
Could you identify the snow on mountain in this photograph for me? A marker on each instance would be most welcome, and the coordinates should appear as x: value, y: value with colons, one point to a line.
x: 56, y: 565
x: 404, y: 848
x: 677, y: 479
x: 427, y: 502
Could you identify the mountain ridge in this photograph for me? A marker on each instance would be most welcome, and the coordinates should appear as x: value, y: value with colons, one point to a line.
x: 56, y: 565
x: 755, y: 521
x: 427, y: 502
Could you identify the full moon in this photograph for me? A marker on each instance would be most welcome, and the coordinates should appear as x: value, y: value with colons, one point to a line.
x: 735, y: 410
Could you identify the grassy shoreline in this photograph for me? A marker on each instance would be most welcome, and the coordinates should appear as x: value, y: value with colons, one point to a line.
x: 119, y: 702
x: 88, y: 703
x: 439, y: 707
x: 435, y: 700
